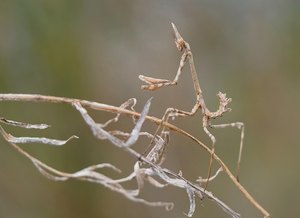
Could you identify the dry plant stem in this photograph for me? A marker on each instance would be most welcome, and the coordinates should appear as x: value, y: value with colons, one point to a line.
x: 114, y: 109
x: 141, y: 174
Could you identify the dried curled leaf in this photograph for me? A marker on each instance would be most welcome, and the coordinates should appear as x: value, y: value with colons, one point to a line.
x: 23, y: 125
x: 43, y: 140
x: 191, y: 195
x: 26, y: 140
x: 100, y: 133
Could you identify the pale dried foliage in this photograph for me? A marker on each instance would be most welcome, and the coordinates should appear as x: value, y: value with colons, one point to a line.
x: 148, y: 165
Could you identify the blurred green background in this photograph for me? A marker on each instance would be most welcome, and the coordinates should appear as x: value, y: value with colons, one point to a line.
x: 95, y: 50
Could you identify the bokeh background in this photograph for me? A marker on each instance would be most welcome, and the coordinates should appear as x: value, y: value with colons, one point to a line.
x: 95, y: 50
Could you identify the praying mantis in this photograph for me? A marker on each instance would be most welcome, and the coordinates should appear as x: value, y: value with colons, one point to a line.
x: 153, y: 84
